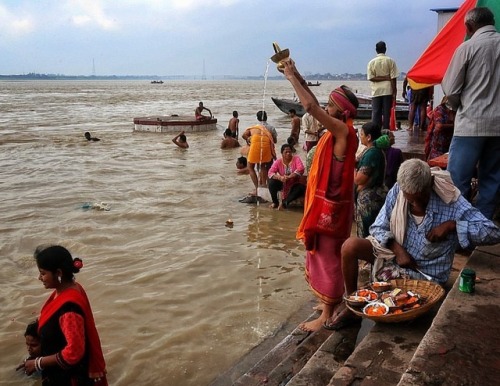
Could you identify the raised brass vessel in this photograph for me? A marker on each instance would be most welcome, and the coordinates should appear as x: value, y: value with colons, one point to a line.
x: 279, y: 56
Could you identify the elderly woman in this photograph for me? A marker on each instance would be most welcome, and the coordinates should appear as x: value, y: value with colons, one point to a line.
x: 369, y: 179
x: 285, y: 175
x: 329, y: 200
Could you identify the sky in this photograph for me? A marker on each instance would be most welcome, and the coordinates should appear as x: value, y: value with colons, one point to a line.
x: 209, y: 37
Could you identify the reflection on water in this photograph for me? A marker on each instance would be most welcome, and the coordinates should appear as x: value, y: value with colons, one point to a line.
x: 178, y: 297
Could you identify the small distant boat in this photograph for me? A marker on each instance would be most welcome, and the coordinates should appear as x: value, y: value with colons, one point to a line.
x: 364, y: 109
x: 310, y: 84
x: 173, y: 124
x: 157, y: 82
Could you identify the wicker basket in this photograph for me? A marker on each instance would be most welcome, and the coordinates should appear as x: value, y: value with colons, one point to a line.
x: 430, y: 292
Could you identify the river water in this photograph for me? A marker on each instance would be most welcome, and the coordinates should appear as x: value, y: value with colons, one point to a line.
x: 178, y: 297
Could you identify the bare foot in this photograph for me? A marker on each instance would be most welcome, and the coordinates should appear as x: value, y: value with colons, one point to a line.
x: 274, y: 206
x: 281, y: 207
x: 319, y: 307
x: 313, y: 325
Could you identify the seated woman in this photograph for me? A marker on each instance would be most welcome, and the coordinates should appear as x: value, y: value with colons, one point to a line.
x: 369, y: 178
x: 285, y: 175
x: 393, y: 157
x: 440, y: 131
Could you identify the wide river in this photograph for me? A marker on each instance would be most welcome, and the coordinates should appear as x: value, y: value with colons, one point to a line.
x: 178, y: 297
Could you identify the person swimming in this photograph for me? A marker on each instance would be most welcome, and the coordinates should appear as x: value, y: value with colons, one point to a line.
x: 90, y: 138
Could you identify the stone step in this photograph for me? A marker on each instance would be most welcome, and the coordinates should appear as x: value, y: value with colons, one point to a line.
x: 381, y: 357
x: 375, y: 354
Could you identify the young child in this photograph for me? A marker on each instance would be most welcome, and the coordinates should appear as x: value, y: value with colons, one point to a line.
x: 181, y: 140
x: 32, y: 342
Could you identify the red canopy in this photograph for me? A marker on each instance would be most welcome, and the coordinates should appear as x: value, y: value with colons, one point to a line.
x: 433, y: 63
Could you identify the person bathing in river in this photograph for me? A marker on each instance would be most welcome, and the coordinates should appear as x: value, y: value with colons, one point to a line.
x: 181, y: 140
x: 260, y: 154
x: 330, y: 183
x: 32, y: 340
x: 89, y: 137
x: 295, y: 123
x: 233, y: 125
x: 229, y: 142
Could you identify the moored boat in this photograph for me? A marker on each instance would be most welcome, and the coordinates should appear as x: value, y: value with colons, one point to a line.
x: 173, y: 124
x: 314, y: 84
x: 364, y: 109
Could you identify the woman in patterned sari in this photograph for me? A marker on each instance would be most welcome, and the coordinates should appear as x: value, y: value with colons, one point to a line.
x: 369, y: 179
x: 330, y: 182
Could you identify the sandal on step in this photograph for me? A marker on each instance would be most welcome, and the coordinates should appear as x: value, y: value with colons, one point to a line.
x: 344, y: 319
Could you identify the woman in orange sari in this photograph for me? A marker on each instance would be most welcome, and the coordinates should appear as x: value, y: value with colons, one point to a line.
x: 330, y: 185
x: 71, y: 353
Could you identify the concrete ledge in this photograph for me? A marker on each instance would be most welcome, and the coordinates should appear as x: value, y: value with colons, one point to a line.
x: 462, y: 346
x: 384, y: 354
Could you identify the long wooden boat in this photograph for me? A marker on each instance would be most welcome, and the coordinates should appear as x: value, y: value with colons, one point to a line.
x: 364, y: 109
x: 173, y: 124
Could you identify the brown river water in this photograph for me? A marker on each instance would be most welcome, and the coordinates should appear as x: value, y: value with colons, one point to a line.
x: 178, y: 297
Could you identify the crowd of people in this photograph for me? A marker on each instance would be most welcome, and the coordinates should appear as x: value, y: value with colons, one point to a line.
x: 413, y: 229
x: 409, y: 220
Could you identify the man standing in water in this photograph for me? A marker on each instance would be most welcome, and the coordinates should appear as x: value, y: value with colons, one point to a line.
x: 382, y: 73
x: 472, y: 84
x: 295, y: 122
x: 233, y: 125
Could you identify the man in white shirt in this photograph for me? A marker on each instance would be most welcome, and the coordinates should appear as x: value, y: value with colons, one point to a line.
x: 382, y: 73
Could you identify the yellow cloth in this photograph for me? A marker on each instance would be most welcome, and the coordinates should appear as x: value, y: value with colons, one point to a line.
x: 261, y: 145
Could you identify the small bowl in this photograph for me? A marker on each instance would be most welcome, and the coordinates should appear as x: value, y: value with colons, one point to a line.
x: 381, y: 286
x: 368, y: 294
x: 380, y: 308
x: 355, y: 301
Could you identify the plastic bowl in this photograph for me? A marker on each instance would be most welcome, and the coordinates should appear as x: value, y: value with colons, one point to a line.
x: 376, y: 309
x: 356, y: 301
x: 381, y: 286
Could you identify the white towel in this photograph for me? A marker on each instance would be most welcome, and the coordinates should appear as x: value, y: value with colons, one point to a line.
x: 444, y: 188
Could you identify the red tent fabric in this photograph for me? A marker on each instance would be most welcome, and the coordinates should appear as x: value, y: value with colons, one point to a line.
x: 430, y: 68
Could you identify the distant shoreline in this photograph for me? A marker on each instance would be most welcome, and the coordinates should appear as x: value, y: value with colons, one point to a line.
x: 316, y: 77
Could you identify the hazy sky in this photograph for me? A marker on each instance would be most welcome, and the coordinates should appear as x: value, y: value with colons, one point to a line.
x: 224, y: 37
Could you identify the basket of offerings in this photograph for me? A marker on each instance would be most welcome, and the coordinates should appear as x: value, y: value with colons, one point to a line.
x: 406, y: 299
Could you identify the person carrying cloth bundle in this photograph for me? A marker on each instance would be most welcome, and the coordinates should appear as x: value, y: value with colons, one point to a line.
x: 260, y: 153
x: 329, y: 199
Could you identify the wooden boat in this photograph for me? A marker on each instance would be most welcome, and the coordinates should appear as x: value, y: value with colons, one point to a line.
x: 157, y: 82
x: 313, y: 84
x: 364, y: 109
x: 173, y: 124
